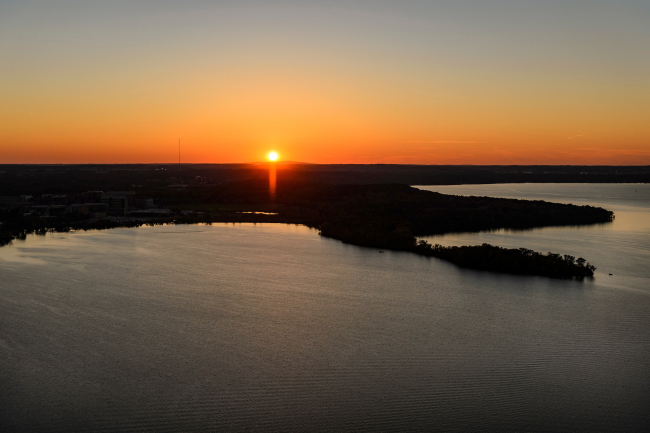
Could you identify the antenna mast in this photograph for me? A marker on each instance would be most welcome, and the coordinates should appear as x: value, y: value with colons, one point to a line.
x: 179, y: 152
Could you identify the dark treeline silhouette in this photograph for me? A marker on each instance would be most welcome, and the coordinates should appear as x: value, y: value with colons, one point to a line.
x: 54, y: 179
x: 513, y: 261
x: 355, y: 212
x: 379, y: 216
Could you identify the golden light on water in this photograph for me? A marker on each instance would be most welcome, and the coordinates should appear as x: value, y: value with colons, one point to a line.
x: 272, y: 156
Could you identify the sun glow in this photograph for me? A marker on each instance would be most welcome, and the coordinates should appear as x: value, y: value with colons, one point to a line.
x: 273, y: 156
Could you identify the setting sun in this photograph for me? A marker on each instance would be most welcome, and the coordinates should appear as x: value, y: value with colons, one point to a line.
x: 273, y: 156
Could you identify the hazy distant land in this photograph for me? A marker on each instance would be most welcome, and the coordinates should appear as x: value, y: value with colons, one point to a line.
x: 149, y: 178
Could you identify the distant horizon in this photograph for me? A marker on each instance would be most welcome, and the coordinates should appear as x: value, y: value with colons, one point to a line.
x: 312, y: 163
x: 621, y: 158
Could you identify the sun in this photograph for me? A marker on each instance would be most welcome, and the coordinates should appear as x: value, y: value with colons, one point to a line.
x: 273, y: 156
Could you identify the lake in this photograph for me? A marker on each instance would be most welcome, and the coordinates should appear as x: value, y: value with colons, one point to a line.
x: 242, y: 327
x: 621, y: 248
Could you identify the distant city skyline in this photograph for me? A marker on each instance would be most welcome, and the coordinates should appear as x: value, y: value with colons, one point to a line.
x: 412, y: 81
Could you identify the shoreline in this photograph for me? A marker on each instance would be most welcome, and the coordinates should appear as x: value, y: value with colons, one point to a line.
x: 537, y: 263
x: 387, y: 217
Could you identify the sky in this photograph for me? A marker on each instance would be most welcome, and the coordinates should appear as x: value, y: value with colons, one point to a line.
x: 354, y: 81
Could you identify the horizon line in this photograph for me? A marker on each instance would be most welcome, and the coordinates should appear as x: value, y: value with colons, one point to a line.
x: 316, y: 163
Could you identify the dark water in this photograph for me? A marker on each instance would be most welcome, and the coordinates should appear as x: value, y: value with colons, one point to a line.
x: 270, y: 327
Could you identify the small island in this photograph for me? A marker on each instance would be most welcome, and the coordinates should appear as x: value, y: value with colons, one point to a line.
x: 520, y: 261
x: 378, y: 216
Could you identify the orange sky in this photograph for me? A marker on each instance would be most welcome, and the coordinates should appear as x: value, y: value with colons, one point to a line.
x: 432, y: 83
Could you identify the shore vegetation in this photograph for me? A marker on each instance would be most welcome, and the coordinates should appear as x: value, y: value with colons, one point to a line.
x: 378, y: 216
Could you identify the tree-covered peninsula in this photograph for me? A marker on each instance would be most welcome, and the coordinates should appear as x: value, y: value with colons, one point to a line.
x: 378, y: 216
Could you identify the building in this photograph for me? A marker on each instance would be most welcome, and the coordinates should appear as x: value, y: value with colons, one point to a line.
x: 54, y: 199
x: 93, y: 209
x: 11, y: 202
x: 57, y: 210
x: 93, y: 196
x: 115, y: 204
x: 143, y: 203
x: 129, y: 195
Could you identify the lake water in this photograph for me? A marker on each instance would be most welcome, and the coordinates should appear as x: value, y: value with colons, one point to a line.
x: 271, y: 327
x: 620, y: 248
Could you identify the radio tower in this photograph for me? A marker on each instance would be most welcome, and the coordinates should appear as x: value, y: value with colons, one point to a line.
x: 179, y: 153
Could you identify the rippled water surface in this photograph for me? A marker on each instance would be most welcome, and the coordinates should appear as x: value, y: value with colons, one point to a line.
x: 620, y: 248
x: 271, y: 327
